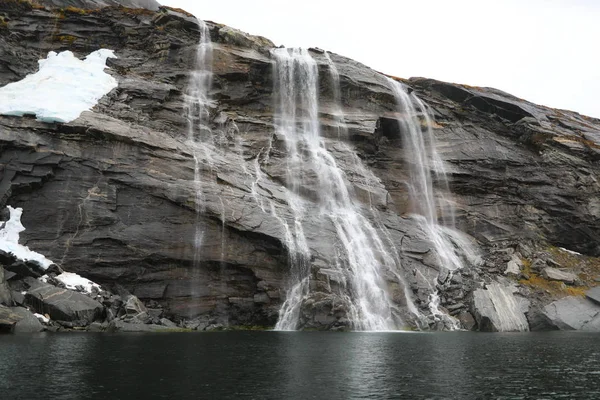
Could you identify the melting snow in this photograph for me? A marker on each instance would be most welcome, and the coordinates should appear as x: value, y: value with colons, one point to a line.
x: 62, y: 89
x: 72, y: 280
x: 9, y: 240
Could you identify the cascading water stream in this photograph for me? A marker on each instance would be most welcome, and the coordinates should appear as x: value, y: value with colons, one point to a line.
x: 364, y: 257
x: 197, y: 103
x: 424, y: 163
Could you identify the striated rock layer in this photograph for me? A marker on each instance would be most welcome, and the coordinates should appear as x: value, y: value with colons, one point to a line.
x: 112, y: 195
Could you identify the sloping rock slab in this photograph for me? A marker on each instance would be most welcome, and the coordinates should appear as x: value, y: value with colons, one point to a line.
x: 120, y: 326
x: 64, y: 304
x: 28, y: 323
x: 8, y: 320
x: 574, y: 313
x: 497, y: 309
x: 554, y: 274
x: 594, y: 294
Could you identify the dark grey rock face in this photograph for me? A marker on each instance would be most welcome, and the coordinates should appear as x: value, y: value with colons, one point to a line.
x: 111, y: 195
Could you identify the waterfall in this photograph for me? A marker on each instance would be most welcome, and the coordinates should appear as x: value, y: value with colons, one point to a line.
x: 197, y: 102
x: 424, y: 164
x: 364, y: 258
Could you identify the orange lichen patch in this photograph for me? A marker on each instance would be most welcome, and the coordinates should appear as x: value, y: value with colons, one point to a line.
x: 179, y: 10
x: 75, y: 10
x: 69, y: 39
x: 586, y: 268
x: 554, y: 288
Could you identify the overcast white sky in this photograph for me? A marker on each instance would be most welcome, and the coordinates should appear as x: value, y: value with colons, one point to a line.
x: 545, y: 51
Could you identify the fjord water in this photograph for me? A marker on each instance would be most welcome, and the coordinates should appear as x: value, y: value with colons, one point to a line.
x: 301, y: 365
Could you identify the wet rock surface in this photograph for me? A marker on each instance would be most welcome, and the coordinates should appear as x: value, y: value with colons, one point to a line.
x: 111, y: 195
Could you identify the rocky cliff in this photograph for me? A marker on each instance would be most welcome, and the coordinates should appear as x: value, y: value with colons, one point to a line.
x: 112, y: 195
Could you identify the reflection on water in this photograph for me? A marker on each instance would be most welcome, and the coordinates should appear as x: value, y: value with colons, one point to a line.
x: 300, y: 365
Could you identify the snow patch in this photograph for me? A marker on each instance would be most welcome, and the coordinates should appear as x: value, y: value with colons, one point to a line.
x: 72, y: 280
x: 42, y: 318
x: 9, y: 240
x: 570, y: 251
x: 62, y: 89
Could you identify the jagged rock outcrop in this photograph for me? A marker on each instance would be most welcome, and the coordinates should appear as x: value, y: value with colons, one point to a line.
x: 94, y: 4
x: 111, y: 195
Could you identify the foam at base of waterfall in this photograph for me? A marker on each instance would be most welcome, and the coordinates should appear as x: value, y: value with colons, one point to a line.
x: 9, y: 240
x: 62, y: 89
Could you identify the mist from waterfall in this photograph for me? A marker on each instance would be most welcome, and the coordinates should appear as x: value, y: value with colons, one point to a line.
x: 197, y: 101
x: 364, y: 257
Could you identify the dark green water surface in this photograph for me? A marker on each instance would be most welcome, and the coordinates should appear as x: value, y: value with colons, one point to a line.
x: 300, y: 365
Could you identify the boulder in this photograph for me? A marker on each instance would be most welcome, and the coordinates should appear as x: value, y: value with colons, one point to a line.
x: 467, y: 321
x: 594, y: 294
x: 497, y: 309
x: 514, y: 266
x: 29, y: 323
x: 64, y: 305
x: 555, y: 274
x: 8, y: 320
x: 133, y: 306
x: 574, y: 313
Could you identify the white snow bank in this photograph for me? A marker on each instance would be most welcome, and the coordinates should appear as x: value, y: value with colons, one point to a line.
x: 72, y: 280
x: 62, y: 89
x: 9, y: 240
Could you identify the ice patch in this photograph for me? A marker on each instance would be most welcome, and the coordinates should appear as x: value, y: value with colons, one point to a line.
x: 72, y: 280
x: 62, y: 89
x: 9, y: 240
